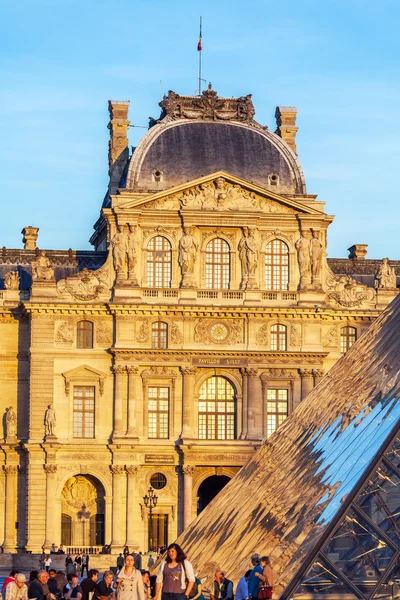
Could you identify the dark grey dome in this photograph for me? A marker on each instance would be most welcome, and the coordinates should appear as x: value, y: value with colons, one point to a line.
x: 171, y: 154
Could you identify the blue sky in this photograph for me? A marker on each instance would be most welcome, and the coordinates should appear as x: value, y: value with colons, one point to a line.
x: 337, y: 61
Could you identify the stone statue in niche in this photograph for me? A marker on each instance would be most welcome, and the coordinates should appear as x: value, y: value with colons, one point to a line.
x: 11, y: 280
x: 385, y: 276
x: 303, y: 246
x: 42, y: 269
x: 132, y: 246
x: 248, y: 255
x: 316, y: 252
x: 119, y: 245
x: 187, y: 256
x: 11, y: 423
x: 50, y: 421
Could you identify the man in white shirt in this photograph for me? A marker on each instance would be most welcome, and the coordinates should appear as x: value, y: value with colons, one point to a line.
x: 17, y: 590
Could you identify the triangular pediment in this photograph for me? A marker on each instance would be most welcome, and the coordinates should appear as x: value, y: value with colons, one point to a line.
x: 219, y: 191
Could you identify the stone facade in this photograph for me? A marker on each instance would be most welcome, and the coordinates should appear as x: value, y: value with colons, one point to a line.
x: 206, y: 313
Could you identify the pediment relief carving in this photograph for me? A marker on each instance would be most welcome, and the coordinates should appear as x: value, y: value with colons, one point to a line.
x: 344, y: 291
x: 87, y: 285
x: 219, y: 195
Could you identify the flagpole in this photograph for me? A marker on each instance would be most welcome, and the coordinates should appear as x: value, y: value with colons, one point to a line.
x: 200, y: 53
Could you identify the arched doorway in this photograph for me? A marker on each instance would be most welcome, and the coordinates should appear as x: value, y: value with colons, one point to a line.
x: 83, y: 509
x: 209, y: 489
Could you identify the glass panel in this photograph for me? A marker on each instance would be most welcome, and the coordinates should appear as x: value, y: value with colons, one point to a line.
x: 359, y: 552
x: 159, y: 260
x: 277, y: 266
x: 220, y: 395
x: 277, y: 410
x: 217, y: 264
x: 321, y: 581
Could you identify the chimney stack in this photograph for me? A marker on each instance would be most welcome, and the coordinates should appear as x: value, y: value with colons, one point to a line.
x: 118, y: 149
x: 30, y: 236
x: 358, y: 251
x: 286, y: 125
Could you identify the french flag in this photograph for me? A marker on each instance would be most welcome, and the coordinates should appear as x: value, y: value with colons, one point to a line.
x: 199, y: 45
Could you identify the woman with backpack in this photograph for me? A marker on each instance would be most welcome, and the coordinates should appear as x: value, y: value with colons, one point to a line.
x: 175, y: 577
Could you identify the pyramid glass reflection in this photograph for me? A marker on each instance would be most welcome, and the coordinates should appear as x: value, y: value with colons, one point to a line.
x: 321, y: 497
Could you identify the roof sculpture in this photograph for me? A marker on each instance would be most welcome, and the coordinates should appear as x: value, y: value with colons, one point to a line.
x: 294, y: 493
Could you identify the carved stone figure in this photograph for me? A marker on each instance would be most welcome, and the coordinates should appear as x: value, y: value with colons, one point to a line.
x: 385, y: 276
x: 345, y: 291
x: 11, y: 280
x: 42, y: 269
x: 119, y: 245
x: 85, y: 285
x: 187, y: 255
x: 248, y: 255
x: 65, y: 333
x: 50, y: 420
x: 316, y: 251
x: 132, y: 252
x: 11, y: 423
x: 295, y: 335
x: 304, y: 258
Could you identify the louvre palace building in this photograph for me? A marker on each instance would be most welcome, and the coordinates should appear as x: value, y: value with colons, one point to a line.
x: 163, y: 358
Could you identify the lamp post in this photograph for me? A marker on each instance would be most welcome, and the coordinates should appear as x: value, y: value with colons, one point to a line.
x: 150, y: 501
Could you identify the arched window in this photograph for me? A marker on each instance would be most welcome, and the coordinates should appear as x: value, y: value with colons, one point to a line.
x: 277, y: 265
x: 348, y: 336
x: 217, y: 265
x: 159, y: 261
x: 278, y: 337
x: 84, y: 334
x: 217, y: 410
x: 159, y: 335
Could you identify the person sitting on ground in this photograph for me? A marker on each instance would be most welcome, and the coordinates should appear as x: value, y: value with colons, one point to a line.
x: 104, y: 587
x: 8, y: 579
x: 254, y: 582
x: 222, y: 588
x: 61, y: 549
x: 52, y: 583
x: 39, y: 589
x: 32, y: 576
x: 17, y: 590
x: 197, y: 591
x: 74, y: 591
x: 53, y: 548
x: 88, y: 585
x: 146, y: 584
x: 62, y: 581
x: 242, y: 590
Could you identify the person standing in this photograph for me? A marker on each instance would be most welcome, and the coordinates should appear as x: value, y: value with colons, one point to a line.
x: 137, y: 556
x: 47, y: 563
x: 78, y: 563
x: 222, y: 588
x: 172, y: 575
x: 267, y: 576
x: 150, y: 562
x: 17, y: 590
x: 242, y: 590
x: 74, y: 591
x: 88, y: 585
x: 254, y: 581
x: 85, y: 564
x: 120, y: 561
x: 129, y: 581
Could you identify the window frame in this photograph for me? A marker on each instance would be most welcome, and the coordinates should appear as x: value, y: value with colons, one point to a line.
x: 83, y: 412
x: 84, y: 334
x: 279, y: 263
x: 278, y: 338
x: 161, y: 277
x: 345, y: 338
x: 157, y: 341
x: 276, y: 413
x: 157, y: 412
x: 210, y: 418
x: 218, y: 273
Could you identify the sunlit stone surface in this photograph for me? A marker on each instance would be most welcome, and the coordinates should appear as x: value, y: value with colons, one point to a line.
x: 290, y: 495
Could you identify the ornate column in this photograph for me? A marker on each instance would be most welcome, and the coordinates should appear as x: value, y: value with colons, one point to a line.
x: 119, y: 380
x: 130, y: 512
x: 254, y: 404
x: 11, y: 472
x: 187, y: 471
x: 189, y: 377
x: 307, y: 382
x: 51, y: 471
x: 132, y: 391
x: 118, y: 516
x: 318, y: 375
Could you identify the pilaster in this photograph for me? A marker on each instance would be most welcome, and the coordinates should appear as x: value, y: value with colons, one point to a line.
x: 188, y: 472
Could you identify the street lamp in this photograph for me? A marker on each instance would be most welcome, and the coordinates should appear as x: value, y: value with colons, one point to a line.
x: 150, y: 501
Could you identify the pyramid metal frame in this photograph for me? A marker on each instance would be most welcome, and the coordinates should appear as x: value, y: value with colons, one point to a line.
x: 293, y: 589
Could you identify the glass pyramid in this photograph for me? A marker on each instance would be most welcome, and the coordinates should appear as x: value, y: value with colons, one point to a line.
x: 321, y: 496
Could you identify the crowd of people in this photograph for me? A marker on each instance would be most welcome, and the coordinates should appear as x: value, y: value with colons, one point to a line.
x: 175, y: 580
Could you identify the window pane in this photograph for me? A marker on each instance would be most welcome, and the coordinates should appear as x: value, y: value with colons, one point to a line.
x: 348, y: 336
x: 217, y: 408
x: 159, y: 335
x: 277, y: 265
x: 158, y: 412
x: 83, y: 412
x: 84, y: 334
x: 159, y: 261
x: 277, y: 408
x: 217, y: 264
x: 278, y: 337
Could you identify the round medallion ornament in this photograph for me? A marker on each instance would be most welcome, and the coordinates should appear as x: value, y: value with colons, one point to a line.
x: 219, y: 332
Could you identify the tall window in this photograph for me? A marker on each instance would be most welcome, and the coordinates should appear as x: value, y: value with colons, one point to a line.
x: 277, y: 408
x: 277, y: 265
x: 217, y: 264
x: 84, y: 411
x: 348, y: 336
x: 159, y: 335
x: 159, y: 260
x: 84, y: 334
x: 158, y: 412
x: 278, y: 337
x: 217, y: 410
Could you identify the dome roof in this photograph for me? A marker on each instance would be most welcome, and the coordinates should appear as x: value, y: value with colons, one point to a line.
x: 200, y: 135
